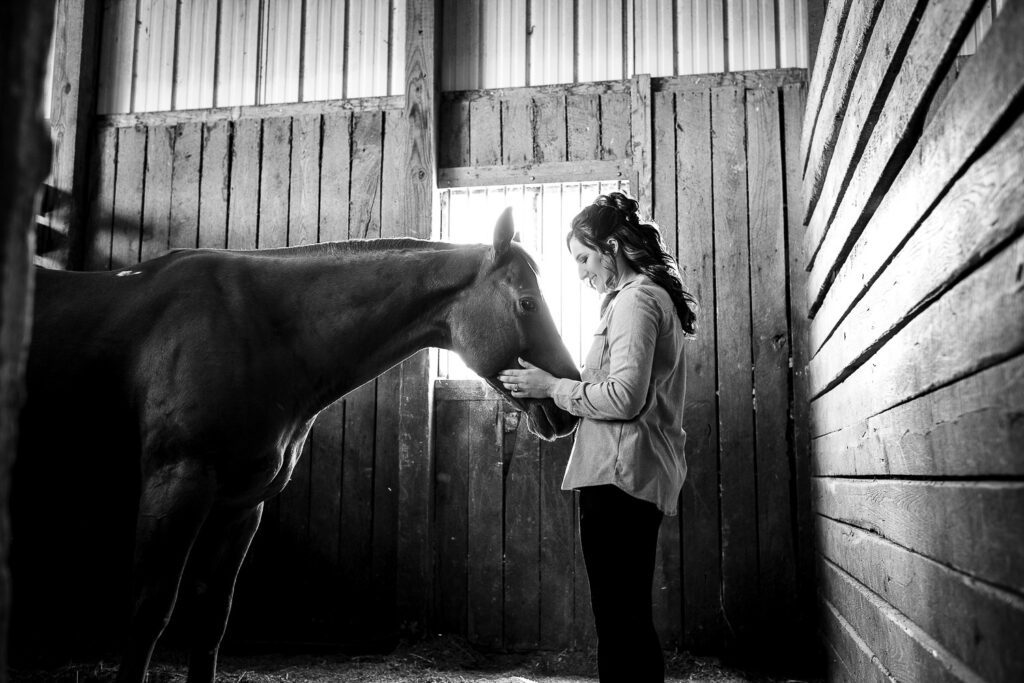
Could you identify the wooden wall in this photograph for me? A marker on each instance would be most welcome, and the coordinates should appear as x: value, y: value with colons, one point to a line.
x: 722, y: 181
x: 914, y: 212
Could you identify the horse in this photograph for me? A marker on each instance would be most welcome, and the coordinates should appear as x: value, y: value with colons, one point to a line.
x: 212, y: 366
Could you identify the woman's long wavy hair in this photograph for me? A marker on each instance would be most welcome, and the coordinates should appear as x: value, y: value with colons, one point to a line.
x: 615, y: 216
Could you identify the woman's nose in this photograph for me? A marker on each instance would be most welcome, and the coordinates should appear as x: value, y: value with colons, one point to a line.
x: 581, y: 272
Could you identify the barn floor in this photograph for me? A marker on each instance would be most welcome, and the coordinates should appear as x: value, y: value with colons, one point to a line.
x: 438, y: 660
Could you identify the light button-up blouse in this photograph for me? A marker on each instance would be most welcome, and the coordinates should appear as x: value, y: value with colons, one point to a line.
x: 631, y: 400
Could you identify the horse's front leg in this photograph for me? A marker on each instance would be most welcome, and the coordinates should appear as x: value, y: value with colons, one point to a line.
x: 175, y: 500
x: 216, y: 559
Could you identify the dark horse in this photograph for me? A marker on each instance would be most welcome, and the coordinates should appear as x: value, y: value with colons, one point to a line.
x: 216, y: 364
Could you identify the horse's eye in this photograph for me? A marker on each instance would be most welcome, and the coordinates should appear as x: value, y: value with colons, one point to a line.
x: 528, y: 304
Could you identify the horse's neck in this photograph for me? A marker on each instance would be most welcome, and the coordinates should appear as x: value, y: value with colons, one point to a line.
x: 363, y: 311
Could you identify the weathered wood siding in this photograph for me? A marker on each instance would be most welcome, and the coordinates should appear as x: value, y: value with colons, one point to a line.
x: 721, y: 181
x: 912, y: 165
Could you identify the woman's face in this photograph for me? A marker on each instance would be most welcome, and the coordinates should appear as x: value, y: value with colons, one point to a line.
x: 592, y: 266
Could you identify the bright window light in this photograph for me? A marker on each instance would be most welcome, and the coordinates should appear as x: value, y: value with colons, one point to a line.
x: 542, y: 214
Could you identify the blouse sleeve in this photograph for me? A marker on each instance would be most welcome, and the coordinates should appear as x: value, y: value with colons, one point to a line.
x: 633, y: 329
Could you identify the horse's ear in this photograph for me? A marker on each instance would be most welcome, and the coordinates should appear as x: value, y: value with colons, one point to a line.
x: 504, y: 231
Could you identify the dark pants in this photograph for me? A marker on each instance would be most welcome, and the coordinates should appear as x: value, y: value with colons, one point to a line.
x: 619, y: 535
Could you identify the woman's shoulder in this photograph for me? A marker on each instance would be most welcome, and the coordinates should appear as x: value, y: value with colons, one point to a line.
x: 644, y: 294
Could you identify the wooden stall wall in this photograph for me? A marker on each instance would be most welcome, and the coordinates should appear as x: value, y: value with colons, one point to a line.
x: 914, y: 211
x: 323, y: 564
x: 721, y: 175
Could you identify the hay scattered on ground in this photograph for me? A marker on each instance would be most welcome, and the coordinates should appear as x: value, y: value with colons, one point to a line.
x: 440, y: 659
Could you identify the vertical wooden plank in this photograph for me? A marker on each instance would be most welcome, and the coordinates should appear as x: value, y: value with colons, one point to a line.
x: 583, y: 121
x: 484, y: 534
x: 557, y: 538
x: 213, y: 191
x: 453, y: 144
x: 128, y: 196
x: 364, y: 212
x: 304, y: 203
x: 615, y: 116
x: 71, y: 112
x: 735, y: 417
x: 282, y: 38
x: 640, y: 138
x: 156, y: 215
x: 771, y: 354
x: 522, y: 534
x: 485, y: 132
x: 184, y: 225
x: 455, y: 443
x: 101, y: 208
x: 326, y: 456
x: 197, y: 54
x: 357, y: 504
x: 117, y: 57
x: 323, y: 76
x: 699, y: 509
x: 549, y: 128
x: 668, y: 589
x: 243, y: 212
x: 154, y: 66
x: 274, y: 182
x: 516, y: 131
x: 336, y: 160
x: 236, y: 71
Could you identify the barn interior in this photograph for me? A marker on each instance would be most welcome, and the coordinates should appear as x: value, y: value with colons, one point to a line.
x: 840, y: 182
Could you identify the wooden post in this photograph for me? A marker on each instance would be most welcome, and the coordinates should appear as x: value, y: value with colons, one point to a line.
x: 73, y: 106
x: 640, y: 136
x: 25, y: 29
x: 415, y: 581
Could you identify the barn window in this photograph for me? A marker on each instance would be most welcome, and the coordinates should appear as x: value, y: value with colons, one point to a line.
x: 542, y: 213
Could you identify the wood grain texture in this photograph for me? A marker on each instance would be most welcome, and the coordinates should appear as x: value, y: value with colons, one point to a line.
x: 549, y: 134
x: 557, y: 539
x: 335, y: 179
x: 703, y: 622
x: 615, y: 131
x: 364, y: 198
x: 640, y: 137
x: 214, y: 189
x: 304, y: 190
x: 522, y: 618
x: 101, y: 206
x: 771, y: 356
x: 246, y: 153
x: 987, y: 306
x: 516, y: 132
x: 188, y: 154
x: 735, y: 389
x: 851, y: 661
x: 935, y: 598
x: 275, y: 175
x: 357, y: 504
x: 583, y: 123
x: 663, y: 164
x: 126, y: 241
x: 980, y: 212
x: 485, y: 132
x: 453, y: 133
x: 483, y: 536
x: 968, y: 429
x: 833, y: 24
x: 835, y: 225
x: 975, y: 105
x: 156, y: 214
x: 543, y: 172
x: 928, y: 518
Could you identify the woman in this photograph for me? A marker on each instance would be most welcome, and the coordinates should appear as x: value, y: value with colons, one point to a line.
x: 627, y: 461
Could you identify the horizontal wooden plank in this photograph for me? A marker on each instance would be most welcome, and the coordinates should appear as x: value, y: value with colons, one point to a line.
x: 991, y: 82
x: 929, y: 518
x: 529, y: 92
x: 258, y: 111
x: 545, y: 172
x: 976, y: 324
x: 832, y: 27
x: 753, y: 79
x: 939, y: 600
x: 851, y: 661
x: 983, y: 210
x: 853, y: 59
x: 905, y: 650
x: 848, y: 194
x: 969, y: 428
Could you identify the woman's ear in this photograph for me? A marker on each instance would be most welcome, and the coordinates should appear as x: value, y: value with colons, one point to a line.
x: 613, y: 245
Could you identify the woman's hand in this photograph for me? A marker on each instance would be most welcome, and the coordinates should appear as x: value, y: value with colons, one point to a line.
x: 528, y: 382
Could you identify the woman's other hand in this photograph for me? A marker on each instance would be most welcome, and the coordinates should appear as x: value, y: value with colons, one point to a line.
x: 528, y: 381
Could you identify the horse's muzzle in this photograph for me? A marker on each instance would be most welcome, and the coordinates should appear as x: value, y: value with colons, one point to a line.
x: 545, y: 419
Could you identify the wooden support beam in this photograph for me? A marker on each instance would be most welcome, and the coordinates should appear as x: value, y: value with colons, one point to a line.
x: 640, y: 134
x: 415, y: 578
x: 76, y: 46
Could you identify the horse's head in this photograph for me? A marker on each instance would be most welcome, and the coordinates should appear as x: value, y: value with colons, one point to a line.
x: 502, y: 317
